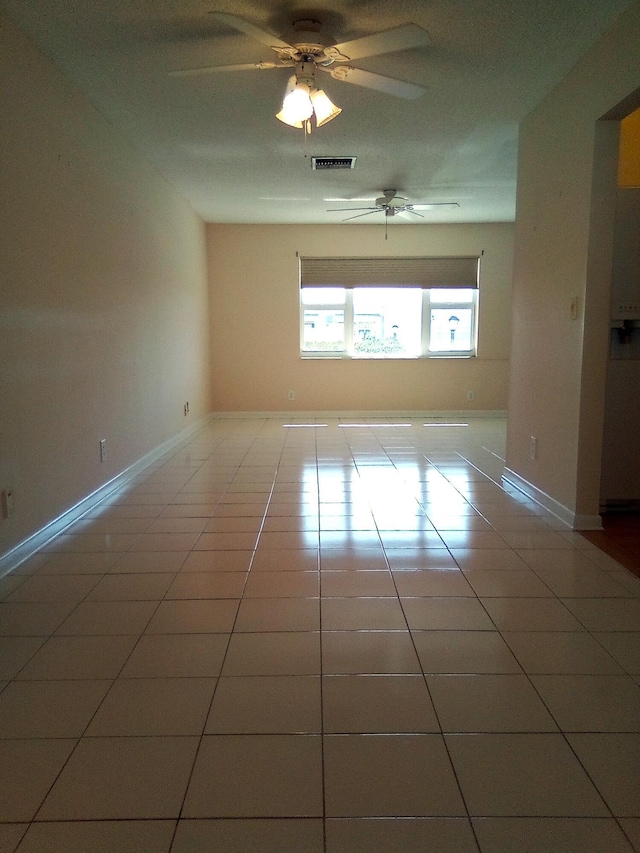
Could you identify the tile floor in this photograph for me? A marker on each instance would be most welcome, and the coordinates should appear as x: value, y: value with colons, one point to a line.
x: 321, y: 640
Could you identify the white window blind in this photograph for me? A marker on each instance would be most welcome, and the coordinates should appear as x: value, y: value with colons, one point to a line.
x: 390, y: 272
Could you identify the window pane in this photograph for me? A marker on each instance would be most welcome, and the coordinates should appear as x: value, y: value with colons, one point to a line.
x: 452, y: 294
x: 323, y: 295
x: 387, y: 321
x: 323, y: 330
x: 451, y: 330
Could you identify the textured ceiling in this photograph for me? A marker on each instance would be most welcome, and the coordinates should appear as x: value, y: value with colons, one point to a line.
x: 217, y: 141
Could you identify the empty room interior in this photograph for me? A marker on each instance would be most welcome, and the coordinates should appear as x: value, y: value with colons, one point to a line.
x: 319, y: 417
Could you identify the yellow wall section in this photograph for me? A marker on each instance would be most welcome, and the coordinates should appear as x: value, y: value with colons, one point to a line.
x: 629, y: 161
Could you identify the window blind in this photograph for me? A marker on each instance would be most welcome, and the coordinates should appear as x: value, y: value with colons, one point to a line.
x: 390, y: 272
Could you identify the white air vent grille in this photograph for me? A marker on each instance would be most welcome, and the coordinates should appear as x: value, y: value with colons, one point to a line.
x: 323, y: 163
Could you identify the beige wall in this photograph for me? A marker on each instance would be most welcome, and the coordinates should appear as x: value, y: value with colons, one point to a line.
x: 103, y: 299
x: 566, y: 191
x: 253, y: 273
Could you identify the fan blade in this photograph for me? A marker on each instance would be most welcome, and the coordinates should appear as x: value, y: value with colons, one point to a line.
x: 399, y: 88
x: 250, y: 29
x: 389, y: 41
x: 213, y: 69
x: 429, y: 205
x: 358, y: 215
x: 347, y: 209
x: 411, y: 210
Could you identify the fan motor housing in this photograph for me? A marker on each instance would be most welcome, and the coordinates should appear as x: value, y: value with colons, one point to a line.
x: 390, y: 200
x: 307, y: 36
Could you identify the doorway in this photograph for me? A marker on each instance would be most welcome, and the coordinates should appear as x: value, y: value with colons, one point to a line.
x: 620, y: 465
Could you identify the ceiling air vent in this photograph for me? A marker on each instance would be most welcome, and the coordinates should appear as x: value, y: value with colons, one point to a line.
x: 323, y: 163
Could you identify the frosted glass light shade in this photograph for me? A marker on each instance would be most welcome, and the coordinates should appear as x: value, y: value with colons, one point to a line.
x: 323, y: 107
x: 296, y: 106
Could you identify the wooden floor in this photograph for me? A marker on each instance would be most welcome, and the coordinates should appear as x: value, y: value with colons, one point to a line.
x: 620, y: 538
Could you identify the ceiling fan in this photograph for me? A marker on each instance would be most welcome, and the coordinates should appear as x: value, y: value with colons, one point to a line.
x: 391, y: 204
x: 307, y: 48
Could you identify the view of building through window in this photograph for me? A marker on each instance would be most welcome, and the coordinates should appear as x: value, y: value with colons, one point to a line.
x: 323, y: 322
x: 387, y: 322
x: 452, y: 320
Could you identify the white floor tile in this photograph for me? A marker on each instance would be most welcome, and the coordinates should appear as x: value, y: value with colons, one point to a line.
x: 321, y: 641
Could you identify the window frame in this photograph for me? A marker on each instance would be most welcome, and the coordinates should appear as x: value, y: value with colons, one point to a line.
x: 325, y: 306
x: 427, y: 273
x: 428, y: 305
x: 425, y: 352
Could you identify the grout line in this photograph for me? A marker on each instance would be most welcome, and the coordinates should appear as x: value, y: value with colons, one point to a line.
x: 358, y: 462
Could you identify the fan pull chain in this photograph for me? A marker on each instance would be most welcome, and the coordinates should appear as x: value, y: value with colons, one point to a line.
x: 306, y: 127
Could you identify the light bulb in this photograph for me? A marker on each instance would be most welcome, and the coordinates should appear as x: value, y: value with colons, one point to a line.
x: 296, y: 106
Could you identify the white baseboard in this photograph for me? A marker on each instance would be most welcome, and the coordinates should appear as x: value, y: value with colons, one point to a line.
x: 334, y: 415
x: 574, y: 521
x: 587, y: 522
x: 27, y: 548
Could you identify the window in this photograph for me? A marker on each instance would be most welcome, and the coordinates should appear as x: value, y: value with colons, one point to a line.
x: 323, y: 320
x: 410, y: 317
x: 451, y: 320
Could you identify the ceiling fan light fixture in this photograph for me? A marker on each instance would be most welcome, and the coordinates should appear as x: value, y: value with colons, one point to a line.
x: 296, y: 105
x: 323, y: 107
x: 288, y: 120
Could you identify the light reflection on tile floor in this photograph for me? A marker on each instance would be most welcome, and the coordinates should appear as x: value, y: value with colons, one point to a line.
x: 321, y: 641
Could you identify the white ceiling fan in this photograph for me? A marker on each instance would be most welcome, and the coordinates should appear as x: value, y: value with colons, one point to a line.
x: 391, y: 204
x: 308, y: 49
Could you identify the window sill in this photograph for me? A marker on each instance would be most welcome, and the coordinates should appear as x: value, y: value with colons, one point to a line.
x: 339, y: 357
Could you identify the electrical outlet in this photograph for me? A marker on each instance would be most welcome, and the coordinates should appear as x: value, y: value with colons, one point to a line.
x: 291, y: 395
x: 8, y: 503
x: 103, y: 449
x: 533, y: 447
x: 471, y: 396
